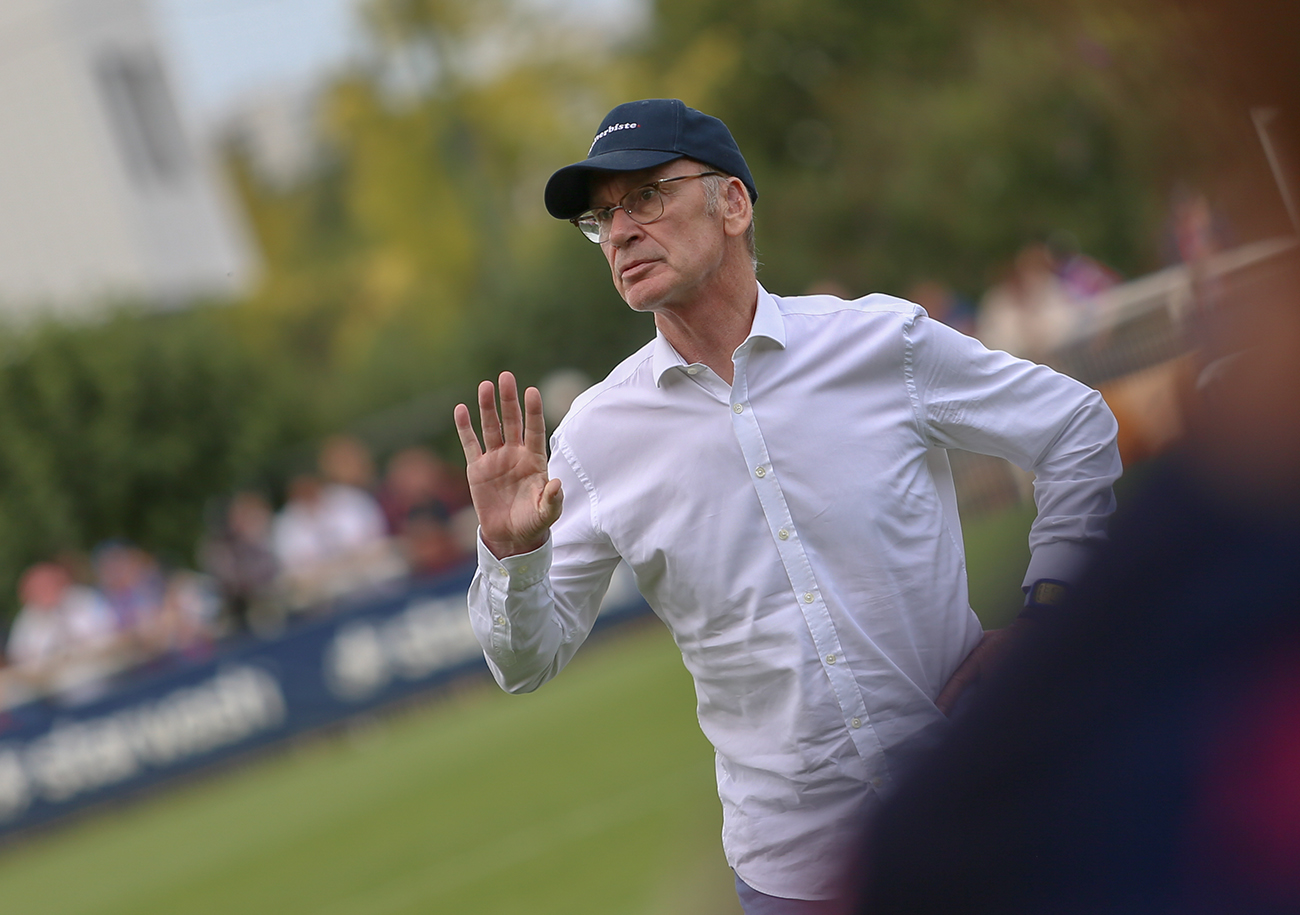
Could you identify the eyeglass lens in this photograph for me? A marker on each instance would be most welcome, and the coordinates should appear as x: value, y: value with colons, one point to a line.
x: 643, y: 204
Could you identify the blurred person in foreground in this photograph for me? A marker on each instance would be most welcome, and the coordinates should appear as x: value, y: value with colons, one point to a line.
x: 1140, y: 750
x: 63, y: 641
x: 773, y: 470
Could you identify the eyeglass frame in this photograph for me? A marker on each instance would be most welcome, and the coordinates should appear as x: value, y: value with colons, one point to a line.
x: 621, y: 205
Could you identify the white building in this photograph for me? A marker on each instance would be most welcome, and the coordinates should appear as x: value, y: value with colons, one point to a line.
x: 104, y: 192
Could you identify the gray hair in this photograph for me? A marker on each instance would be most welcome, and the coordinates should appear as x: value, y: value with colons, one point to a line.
x: 713, y: 185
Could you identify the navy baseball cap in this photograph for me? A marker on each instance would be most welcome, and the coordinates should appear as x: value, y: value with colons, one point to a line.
x: 643, y: 134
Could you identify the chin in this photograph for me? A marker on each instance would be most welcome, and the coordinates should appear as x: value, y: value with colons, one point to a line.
x: 639, y: 303
x: 640, y: 298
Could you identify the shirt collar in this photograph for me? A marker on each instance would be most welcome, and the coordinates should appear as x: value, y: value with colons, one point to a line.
x: 768, y: 324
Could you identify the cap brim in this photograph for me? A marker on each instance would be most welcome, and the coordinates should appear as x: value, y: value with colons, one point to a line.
x: 567, y: 193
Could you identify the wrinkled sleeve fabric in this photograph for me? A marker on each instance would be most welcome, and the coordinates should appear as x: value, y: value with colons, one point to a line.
x: 531, y: 612
x: 986, y: 401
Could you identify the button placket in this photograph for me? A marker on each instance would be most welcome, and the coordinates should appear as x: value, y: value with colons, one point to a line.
x: 821, y: 627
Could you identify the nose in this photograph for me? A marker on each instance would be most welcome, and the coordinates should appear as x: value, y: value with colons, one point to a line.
x: 622, y: 228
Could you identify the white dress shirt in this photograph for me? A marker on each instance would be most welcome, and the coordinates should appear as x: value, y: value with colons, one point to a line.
x: 797, y: 531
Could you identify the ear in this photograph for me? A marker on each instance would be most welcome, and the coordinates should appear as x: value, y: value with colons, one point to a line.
x: 737, y: 208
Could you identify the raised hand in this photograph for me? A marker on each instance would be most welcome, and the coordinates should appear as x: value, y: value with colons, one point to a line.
x: 515, y: 501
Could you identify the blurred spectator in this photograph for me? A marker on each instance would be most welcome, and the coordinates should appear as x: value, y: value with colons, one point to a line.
x: 132, y: 583
x: 240, y: 555
x: 414, y: 499
x: 1193, y: 231
x: 63, y: 639
x: 331, y: 537
x: 942, y: 304
x: 1193, y: 234
x: 345, y: 461
x: 187, y: 620
x: 1029, y: 313
x: 1082, y: 277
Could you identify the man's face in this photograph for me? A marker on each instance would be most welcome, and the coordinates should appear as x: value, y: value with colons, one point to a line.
x: 670, y: 261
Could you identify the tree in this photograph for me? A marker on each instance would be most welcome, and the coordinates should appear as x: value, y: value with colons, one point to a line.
x: 126, y: 429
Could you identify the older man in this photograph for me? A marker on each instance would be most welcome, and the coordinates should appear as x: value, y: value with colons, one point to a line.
x: 774, y: 472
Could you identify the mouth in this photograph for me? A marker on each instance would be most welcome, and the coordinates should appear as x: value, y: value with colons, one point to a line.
x: 635, y: 269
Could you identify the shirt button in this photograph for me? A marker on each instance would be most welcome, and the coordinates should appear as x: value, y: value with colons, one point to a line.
x: 830, y: 659
x: 856, y: 722
x: 693, y: 370
x: 738, y: 407
x: 501, y: 620
x: 807, y: 597
x: 783, y: 534
x: 760, y: 472
x: 523, y: 569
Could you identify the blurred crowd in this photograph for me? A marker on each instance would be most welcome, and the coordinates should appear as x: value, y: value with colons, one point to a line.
x: 1048, y: 294
x: 341, y: 532
x: 1044, y: 298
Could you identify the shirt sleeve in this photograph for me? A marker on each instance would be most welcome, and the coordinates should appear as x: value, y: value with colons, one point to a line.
x: 531, y: 612
x: 986, y: 401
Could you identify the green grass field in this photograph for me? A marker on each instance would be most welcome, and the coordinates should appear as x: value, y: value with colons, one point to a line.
x: 593, y: 795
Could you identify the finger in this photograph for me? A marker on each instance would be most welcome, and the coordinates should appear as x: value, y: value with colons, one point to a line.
x: 512, y: 419
x: 465, y: 429
x: 487, y: 411
x: 534, y: 422
x: 552, y: 502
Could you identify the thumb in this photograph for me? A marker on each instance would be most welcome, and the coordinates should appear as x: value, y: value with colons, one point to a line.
x: 551, y: 502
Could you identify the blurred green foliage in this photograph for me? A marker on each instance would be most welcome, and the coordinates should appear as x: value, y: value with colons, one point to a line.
x: 891, y: 141
x: 125, y: 428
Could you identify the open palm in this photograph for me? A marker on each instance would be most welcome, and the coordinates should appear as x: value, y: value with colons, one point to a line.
x: 515, y: 500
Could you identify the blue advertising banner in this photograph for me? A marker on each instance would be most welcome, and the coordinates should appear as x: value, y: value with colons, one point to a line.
x: 248, y: 695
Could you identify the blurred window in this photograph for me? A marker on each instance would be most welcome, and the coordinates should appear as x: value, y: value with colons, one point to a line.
x: 143, y: 116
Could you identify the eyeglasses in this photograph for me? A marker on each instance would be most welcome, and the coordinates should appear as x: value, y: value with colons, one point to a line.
x: 643, y: 205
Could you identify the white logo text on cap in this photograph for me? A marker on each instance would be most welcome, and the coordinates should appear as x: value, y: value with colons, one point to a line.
x: 607, y: 131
